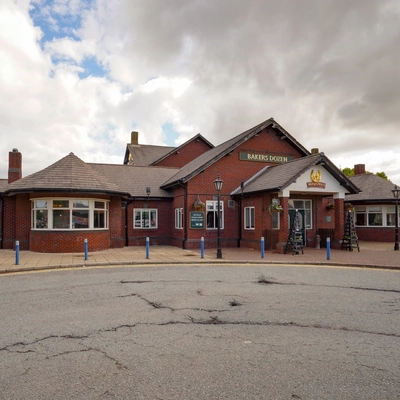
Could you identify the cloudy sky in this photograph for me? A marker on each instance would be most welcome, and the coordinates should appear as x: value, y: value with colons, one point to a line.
x: 78, y: 76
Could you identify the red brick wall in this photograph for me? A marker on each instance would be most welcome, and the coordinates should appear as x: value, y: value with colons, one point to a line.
x: 17, y: 226
x: 370, y: 234
x: 160, y: 236
x: 232, y: 171
x: 68, y: 241
x: 185, y: 154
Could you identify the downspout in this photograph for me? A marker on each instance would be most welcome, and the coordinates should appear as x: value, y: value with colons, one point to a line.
x: 184, y: 214
x: 240, y: 222
x: 2, y: 223
x: 127, y: 222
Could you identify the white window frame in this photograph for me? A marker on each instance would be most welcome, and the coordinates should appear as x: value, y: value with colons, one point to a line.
x: 385, y: 211
x: 142, y: 223
x: 178, y: 218
x: 212, y: 209
x: 249, y: 218
x: 46, y: 206
x: 306, y: 206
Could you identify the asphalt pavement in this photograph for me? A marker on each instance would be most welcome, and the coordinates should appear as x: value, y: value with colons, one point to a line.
x: 371, y: 255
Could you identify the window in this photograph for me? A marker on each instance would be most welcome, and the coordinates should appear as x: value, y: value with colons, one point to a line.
x: 178, y: 218
x: 212, y: 214
x: 69, y: 214
x: 249, y: 218
x: 145, y: 218
x: 303, y: 205
x: 375, y: 216
x: 390, y: 216
x: 276, y: 220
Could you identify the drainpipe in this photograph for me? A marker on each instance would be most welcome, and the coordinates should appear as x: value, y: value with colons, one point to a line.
x: 127, y: 222
x: 240, y: 222
x: 2, y: 223
x: 184, y: 213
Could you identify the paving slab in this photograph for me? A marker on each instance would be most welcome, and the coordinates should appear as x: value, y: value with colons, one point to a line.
x: 371, y: 255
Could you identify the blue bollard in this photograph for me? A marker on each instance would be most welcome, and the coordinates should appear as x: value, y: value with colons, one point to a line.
x: 262, y: 247
x: 85, y: 249
x: 147, y: 248
x: 328, y: 248
x: 17, y: 252
x: 202, y: 247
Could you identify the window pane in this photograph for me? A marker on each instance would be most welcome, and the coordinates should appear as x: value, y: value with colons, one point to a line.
x: 374, y: 219
x: 41, y: 219
x: 61, y: 219
x: 275, y: 220
x: 360, y: 209
x: 375, y: 209
x: 80, y: 219
x: 81, y: 204
x: 145, y: 219
x: 99, y: 219
x: 60, y: 203
x: 298, y: 204
x: 153, y: 219
x: 211, y: 219
x: 137, y: 219
x: 99, y: 204
x: 41, y: 203
x: 391, y: 219
x: 307, y: 218
x: 361, y: 219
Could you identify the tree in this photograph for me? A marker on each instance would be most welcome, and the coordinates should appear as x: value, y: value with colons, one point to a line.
x: 348, y: 171
x: 382, y: 175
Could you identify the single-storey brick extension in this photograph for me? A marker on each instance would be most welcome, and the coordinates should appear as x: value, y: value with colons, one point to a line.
x: 167, y: 194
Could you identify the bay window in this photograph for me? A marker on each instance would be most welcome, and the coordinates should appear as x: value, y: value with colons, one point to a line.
x: 69, y: 214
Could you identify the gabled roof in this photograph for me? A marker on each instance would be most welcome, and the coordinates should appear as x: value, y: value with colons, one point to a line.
x: 279, y: 177
x: 174, y: 149
x: 374, y: 188
x: 3, y: 185
x: 68, y: 174
x: 134, y: 180
x: 210, y: 157
x: 145, y: 154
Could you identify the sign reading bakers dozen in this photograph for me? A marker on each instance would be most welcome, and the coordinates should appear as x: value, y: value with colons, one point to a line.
x: 264, y: 157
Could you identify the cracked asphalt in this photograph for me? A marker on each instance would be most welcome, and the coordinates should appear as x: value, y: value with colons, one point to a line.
x: 201, y: 332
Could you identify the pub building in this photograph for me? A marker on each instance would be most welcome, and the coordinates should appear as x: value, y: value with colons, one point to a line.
x: 168, y: 194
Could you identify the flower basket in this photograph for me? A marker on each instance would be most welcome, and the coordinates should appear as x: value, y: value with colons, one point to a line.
x: 348, y: 207
x: 330, y: 206
x: 198, y: 205
x: 274, y: 208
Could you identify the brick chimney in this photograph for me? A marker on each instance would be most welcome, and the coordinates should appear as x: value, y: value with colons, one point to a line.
x: 314, y: 150
x: 14, y: 165
x: 135, y: 138
x: 359, y: 169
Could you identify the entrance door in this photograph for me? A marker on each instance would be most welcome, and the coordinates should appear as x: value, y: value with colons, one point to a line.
x: 302, y: 225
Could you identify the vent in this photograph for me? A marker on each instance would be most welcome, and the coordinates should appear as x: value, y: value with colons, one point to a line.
x: 231, y: 203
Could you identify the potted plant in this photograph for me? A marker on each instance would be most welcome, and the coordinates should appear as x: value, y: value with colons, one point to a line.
x: 330, y: 205
x: 198, y: 205
x: 275, y: 208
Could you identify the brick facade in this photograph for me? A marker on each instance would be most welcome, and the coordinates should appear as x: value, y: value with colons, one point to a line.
x: 229, y: 165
